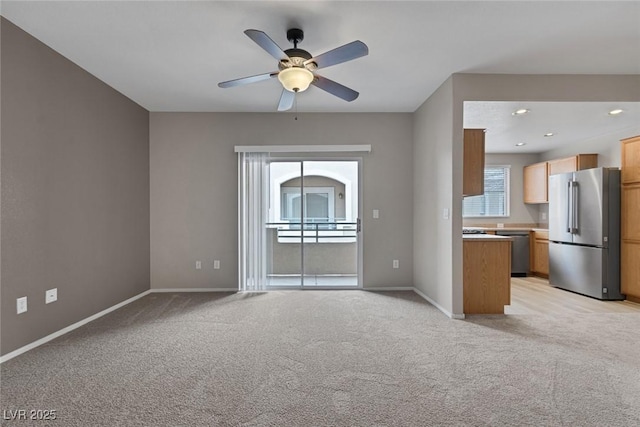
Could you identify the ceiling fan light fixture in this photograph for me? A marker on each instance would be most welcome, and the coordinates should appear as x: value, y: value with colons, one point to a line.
x: 295, y: 79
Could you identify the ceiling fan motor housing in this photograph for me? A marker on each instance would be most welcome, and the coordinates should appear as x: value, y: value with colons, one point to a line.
x: 298, y: 53
x: 297, y: 57
x: 295, y: 36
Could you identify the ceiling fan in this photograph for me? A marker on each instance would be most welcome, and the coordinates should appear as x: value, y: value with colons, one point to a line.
x: 297, y: 67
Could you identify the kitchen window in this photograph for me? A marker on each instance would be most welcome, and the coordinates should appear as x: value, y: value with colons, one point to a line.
x: 495, y: 200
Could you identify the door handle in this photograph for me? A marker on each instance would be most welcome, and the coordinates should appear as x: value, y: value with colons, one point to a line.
x: 569, y: 207
x: 576, y: 204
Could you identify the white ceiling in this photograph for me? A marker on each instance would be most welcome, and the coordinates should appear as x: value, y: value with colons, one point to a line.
x: 570, y: 122
x: 170, y: 55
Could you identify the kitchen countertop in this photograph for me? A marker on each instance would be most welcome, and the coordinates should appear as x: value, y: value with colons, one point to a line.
x: 484, y: 237
x: 506, y: 228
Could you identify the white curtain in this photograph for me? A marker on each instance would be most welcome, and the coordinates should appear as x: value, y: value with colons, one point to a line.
x: 252, y: 207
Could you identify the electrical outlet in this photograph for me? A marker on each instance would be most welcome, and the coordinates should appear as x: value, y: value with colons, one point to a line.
x: 500, y: 225
x: 198, y: 265
x: 396, y: 263
x: 544, y: 216
x: 445, y: 213
x: 51, y: 296
x: 21, y: 305
x: 376, y: 214
x: 216, y: 264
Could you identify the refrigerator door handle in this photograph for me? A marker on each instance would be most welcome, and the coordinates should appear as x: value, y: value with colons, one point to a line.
x: 569, y: 207
x: 576, y: 210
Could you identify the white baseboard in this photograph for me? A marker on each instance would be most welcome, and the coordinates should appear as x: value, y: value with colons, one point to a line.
x: 163, y: 290
x: 419, y: 292
x: 69, y: 328
x: 389, y: 288
x: 82, y: 322
x: 438, y: 306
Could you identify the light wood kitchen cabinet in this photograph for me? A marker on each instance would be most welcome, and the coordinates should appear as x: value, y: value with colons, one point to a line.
x: 630, y: 212
x: 536, y: 176
x: 539, y: 253
x: 631, y: 160
x: 535, y: 183
x: 486, y: 275
x: 573, y: 163
x: 630, y: 219
x: 473, y: 174
x: 630, y: 271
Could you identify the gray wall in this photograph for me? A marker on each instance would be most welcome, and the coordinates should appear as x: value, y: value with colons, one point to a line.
x: 194, y: 185
x: 75, y: 191
x: 433, y: 186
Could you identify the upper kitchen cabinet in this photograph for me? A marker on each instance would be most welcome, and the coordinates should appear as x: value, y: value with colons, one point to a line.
x: 631, y: 160
x: 473, y: 174
x: 630, y: 221
x: 535, y: 183
x: 573, y: 163
x: 536, y: 176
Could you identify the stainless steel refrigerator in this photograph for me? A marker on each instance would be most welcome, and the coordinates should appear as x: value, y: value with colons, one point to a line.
x: 584, y: 232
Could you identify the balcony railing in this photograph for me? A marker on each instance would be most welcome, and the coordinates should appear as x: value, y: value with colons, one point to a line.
x: 315, y: 231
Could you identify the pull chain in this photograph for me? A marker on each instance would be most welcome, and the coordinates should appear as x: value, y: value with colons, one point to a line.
x: 295, y: 102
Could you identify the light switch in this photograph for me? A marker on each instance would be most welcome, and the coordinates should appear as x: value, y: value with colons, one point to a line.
x: 21, y: 305
x: 198, y: 265
x: 376, y: 214
x: 445, y: 213
x: 51, y: 296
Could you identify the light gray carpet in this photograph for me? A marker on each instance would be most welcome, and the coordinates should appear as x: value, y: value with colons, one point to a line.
x: 329, y: 358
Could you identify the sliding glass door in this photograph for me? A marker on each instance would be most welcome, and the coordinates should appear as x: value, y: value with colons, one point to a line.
x: 284, y: 266
x: 312, y: 227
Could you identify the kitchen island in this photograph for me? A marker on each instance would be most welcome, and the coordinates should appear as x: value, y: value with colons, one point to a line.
x: 486, y: 273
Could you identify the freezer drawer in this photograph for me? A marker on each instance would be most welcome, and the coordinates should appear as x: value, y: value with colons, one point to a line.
x: 585, y: 270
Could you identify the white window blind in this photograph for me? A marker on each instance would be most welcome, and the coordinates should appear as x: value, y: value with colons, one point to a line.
x: 495, y: 200
x: 253, y: 200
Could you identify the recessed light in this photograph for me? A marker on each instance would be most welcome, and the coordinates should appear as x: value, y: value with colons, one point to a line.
x: 520, y: 144
x: 520, y: 112
x: 547, y: 135
x: 615, y: 112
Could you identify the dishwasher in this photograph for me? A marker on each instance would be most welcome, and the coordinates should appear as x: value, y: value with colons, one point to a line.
x: 519, y: 251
